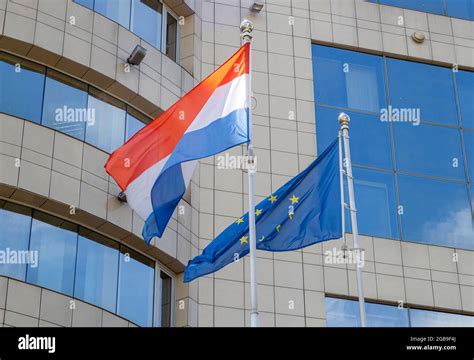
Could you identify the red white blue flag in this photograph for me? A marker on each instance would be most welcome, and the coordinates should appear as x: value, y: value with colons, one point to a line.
x: 155, y: 166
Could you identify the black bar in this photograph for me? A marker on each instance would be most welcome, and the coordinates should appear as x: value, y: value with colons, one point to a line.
x: 318, y: 343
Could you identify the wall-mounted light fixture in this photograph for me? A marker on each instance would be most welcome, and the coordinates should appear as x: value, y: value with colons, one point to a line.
x: 257, y: 6
x: 137, y: 55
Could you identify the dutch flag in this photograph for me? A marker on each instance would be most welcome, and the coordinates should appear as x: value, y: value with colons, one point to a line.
x: 155, y: 166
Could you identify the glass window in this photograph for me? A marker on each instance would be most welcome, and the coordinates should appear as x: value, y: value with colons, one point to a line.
x: 431, y: 6
x: 345, y: 313
x: 21, y: 88
x: 375, y: 203
x: 379, y: 315
x: 435, y: 212
x: 135, y: 291
x: 86, y: 3
x: 425, y: 87
x: 342, y: 313
x: 56, y: 243
x: 348, y: 79
x: 418, y: 150
x: 65, y: 105
x: 465, y: 82
x: 116, y: 10
x: 171, y: 37
x: 426, y: 318
x: 107, y: 131
x: 79, y: 262
x: 146, y: 20
x: 460, y: 8
x: 97, y: 270
x: 370, y: 137
x: 469, y: 143
x: 133, y: 126
x: 165, y: 300
x: 15, y: 221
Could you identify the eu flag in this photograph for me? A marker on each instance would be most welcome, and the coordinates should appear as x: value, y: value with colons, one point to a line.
x: 304, y: 211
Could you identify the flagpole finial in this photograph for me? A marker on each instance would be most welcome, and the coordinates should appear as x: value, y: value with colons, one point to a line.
x: 344, y: 119
x: 246, y: 28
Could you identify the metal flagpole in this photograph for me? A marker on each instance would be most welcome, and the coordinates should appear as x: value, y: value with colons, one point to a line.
x: 246, y: 28
x: 344, y: 120
x: 343, y: 202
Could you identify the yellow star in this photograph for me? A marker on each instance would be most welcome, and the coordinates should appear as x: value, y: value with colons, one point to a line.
x: 261, y: 239
x: 272, y: 198
x: 290, y: 215
x: 243, y: 240
x: 258, y: 212
x: 294, y: 199
x: 278, y: 228
x: 239, y: 221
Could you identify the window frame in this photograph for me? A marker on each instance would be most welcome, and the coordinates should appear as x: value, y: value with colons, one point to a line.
x: 157, y: 305
x: 164, y: 32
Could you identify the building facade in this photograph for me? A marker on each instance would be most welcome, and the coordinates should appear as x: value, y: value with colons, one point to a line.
x: 71, y: 253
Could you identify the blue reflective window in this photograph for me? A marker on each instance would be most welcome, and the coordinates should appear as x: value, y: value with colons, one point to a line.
x: 460, y: 8
x: 431, y: 6
x: 426, y: 318
x: 133, y: 125
x: 146, y: 20
x: 348, y: 79
x: 56, y: 243
x: 15, y: 221
x: 135, y: 292
x: 370, y: 137
x: 465, y: 81
x: 425, y: 87
x: 97, y: 270
x: 86, y: 3
x: 341, y: 313
x: 21, y: 89
x: 107, y: 130
x: 81, y: 263
x: 345, y: 313
x: 116, y: 10
x: 65, y: 105
x: 375, y: 202
x: 435, y: 212
x: 420, y: 130
x: 469, y: 143
x: 418, y: 150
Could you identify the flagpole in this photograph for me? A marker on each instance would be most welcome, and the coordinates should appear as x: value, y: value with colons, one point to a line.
x: 246, y: 28
x: 343, y: 201
x: 344, y: 121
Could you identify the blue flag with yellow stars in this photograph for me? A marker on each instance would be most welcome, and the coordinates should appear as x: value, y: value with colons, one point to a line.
x: 304, y: 211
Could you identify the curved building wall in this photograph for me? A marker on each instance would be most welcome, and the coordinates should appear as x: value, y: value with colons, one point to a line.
x: 25, y: 305
x: 53, y: 171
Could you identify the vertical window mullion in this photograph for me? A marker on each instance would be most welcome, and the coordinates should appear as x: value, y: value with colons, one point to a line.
x: 164, y: 30
x: 157, y: 295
